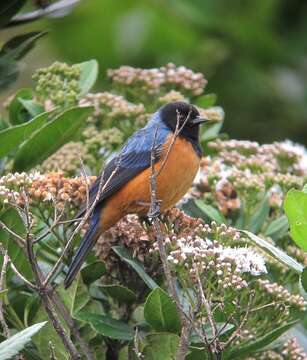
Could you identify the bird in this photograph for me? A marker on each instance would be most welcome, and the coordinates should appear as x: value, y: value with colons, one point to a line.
x: 124, y: 184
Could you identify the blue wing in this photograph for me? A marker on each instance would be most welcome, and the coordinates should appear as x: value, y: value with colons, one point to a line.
x: 134, y: 157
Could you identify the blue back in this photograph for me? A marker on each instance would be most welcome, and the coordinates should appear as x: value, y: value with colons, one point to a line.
x: 133, y: 158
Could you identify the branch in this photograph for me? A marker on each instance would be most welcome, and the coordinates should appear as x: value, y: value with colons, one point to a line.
x: 215, y: 345
x: 21, y: 277
x: 239, y: 328
x: 47, y: 294
x: 14, y: 269
x: 5, y: 328
x: 154, y: 212
x: 136, y: 349
x: 71, y: 324
x: 49, y: 307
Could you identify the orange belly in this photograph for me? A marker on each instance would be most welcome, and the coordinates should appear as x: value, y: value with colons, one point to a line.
x: 173, y: 182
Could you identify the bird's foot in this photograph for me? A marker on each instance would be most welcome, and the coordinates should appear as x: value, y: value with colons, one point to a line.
x: 154, y: 211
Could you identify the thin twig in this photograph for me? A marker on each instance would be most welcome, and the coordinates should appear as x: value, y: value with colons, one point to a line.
x: 237, y: 331
x: 215, y: 342
x: 176, y: 133
x: 52, y: 351
x: 55, y: 223
x: 71, y: 324
x: 21, y: 277
x: 206, y: 303
x: 5, y: 328
x: 83, y: 173
x: 48, y: 305
x: 15, y: 270
x: 51, y: 228
x: 48, y: 295
x: 136, y: 349
x: 154, y: 213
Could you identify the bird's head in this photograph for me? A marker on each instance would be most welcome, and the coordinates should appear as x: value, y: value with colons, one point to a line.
x: 183, y: 116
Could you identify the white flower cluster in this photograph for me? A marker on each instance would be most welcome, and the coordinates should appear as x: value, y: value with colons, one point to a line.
x: 20, y: 179
x: 246, y: 260
x: 117, y: 105
x: 10, y: 185
x: 7, y: 195
x: 151, y: 80
x: 214, y: 113
x: 207, y: 256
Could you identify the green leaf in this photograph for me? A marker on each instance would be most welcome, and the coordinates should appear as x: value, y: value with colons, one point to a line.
x: 197, y: 353
x: 210, y: 212
x: 13, y: 136
x: 3, y: 293
x: 76, y: 297
x: 8, y: 9
x: 295, y: 206
x: 213, y: 128
x: 206, y: 101
x: 277, y: 228
x: 259, y: 343
x: 161, y: 313
x: 88, y: 76
x: 79, y: 295
x: 304, y: 279
x: 20, y: 45
x: 30, y: 308
x: 107, y: 326
x: 274, y: 251
x: 161, y: 346
x: 125, y: 255
x: 8, y: 72
x: 191, y: 209
x: 32, y: 107
x: 12, y: 51
x: 50, y: 138
x: 13, y: 345
x: 120, y: 293
x: 17, y: 113
x: 259, y: 217
x: 93, y: 271
x: 12, y: 220
x: 211, y: 132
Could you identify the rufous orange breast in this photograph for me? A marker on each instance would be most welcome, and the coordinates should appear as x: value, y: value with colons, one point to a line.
x: 173, y: 181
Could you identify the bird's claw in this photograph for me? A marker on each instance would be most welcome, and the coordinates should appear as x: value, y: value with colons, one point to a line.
x: 154, y: 212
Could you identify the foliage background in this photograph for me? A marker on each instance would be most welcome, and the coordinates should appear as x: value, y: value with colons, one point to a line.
x: 254, y: 53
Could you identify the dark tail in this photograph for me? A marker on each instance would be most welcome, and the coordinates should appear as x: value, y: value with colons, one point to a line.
x: 85, y: 247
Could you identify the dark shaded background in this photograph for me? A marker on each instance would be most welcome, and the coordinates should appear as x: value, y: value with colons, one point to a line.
x: 254, y: 53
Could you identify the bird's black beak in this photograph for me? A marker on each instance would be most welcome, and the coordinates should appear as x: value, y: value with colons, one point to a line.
x: 199, y: 120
